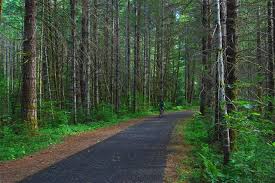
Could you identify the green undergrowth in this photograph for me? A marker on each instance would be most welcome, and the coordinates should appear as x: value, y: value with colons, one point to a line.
x: 14, y: 146
x: 15, y: 143
x: 253, y: 158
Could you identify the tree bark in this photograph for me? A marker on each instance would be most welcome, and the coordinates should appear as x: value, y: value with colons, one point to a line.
x: 271, y: 54
x: 221, y: 84
x: 95, y: 54
x: 73, y: 55
x: 128, y: 52
x: 85, y: 57
x: 106, y: 76
x: 116, y: 40
x: 29, y: 100
x: 259, y: 60
x: 136, y: 83
x: 1, y: 8
x: 231, y: 53
x: 204, y: 58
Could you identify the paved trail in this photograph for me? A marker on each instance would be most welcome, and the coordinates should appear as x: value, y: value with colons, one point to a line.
x: 135, y: 155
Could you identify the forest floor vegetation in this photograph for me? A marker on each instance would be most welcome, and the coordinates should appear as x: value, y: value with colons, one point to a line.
x: 252, y: 159
x: 178, y: 151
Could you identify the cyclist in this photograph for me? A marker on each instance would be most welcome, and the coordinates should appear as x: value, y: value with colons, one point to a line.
x: 161, y: 108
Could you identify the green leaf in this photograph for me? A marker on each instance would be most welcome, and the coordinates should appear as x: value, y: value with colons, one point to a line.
x: 256, y: 114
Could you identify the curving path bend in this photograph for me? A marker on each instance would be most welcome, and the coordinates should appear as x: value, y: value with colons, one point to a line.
x: 135, y: 155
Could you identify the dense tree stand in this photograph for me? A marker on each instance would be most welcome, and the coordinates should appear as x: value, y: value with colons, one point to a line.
x: 71, y: 66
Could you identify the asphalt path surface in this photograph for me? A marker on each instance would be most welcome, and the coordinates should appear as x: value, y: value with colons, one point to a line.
x: 135, y: 155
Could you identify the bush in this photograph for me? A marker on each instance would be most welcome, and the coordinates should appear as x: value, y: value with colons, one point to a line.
x: 253, y: 158
x: 53, y: 116
x: 104, y: 112
x: 168, y: 105
x: 180, y: 100
x: 5, y: 120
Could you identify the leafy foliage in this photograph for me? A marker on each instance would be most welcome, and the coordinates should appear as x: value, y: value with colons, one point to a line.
x: 252, y: 159
x: 53, y: 116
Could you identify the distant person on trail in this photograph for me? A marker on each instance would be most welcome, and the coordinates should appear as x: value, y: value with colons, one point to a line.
x: 161, y: 108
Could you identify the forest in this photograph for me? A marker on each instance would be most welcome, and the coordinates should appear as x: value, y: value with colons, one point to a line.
x: 71, y: 67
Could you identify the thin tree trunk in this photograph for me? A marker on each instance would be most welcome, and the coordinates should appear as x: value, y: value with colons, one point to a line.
x: 209, y: 77
x: 231, y: 64
x: 111, y: 69
x: 271, y: 56
x: 204, y: 58
x: 175, y: 93
x: 162, y: 53
x: 107, y: 50
x: 231, y: 52
x: 137, y: 55
x: 221, y: 84
x: 128, y: 52
x: 85, y: 56
x: 8, y: 79
x: 73, y: 52
x: 116, y: 41
x: 145, y: 55
x: 259, y: 59
x: 95, y: 55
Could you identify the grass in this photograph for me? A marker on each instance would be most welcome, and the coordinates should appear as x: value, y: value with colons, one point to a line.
x: 252, y: 161
x: 179, y: 155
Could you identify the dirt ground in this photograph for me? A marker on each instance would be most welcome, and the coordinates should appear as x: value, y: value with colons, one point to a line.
x: 178, y: 151
x: 14, y: 171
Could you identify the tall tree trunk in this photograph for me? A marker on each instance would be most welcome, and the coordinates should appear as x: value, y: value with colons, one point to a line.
x: 111, y: 69
x: 271, y: 55
x: 56, y: 57
x: 116, y: 41
x: 175, y: 92
x: 45, y: 50
x: 136, y: 85
x: 187, y: 72
x: 231, y: 52
x: 29, y: 100
x: 259, y: 59
x: 8, y: 79
x: 221, y: 84
x: 41, y: 62
x: 145, y: 54
x: 209, y: 78
x: 85, y: 56
x: 149, y: 61
x: 73, y: 54
x: 161, y: 98
x: 95, y: 54
x: 204, y: 58
x: 107, y: 50
x: 128, y: 52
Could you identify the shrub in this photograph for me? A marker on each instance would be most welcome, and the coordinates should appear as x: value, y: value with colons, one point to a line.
x: 104, y: 112
x: 252, y: 159
x: 53, y: 116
